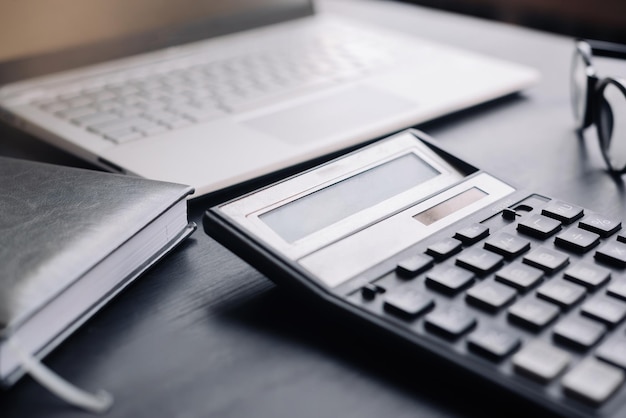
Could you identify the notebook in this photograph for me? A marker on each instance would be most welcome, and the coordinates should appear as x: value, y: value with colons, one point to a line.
x: 72, y: 240
x: 212, y: 94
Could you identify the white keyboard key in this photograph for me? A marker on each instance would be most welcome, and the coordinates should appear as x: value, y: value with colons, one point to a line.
x: 124, y: 135
x: 95, y: 118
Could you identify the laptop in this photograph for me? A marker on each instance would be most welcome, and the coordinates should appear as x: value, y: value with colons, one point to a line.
x: 213, y: 94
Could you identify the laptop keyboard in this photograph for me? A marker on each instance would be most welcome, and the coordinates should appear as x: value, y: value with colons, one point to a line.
x: 131, y: 106
x: 539, y: 293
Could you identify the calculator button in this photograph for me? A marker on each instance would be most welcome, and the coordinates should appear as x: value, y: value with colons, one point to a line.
x: 562, y: 211
x: 592, y: 381
x: 561, y: 292
x: 539, y: 226
x: 606, y: 309
x: 479, y: 261
x: 414, y: 265
x: 493, y: 342
x: 546, y: 259
x: 451, y: 321
x: 541, y: 360
x: 579, y: 331
x: 369, y: 291
x: 613, y: 351
x: 576, y: 239
x: 533, y: 313
x: 602, y: 225
x: 520, y: 276
x: 472, y: 233
x: 613, y: 253
x: 444, y: 248
x: 621, y: 237
x: 617, y: 288
x: 587, y: 274
x: 508, y: 245
x: 491, y: 295
x: 450, y: 279
x: 407, y: 302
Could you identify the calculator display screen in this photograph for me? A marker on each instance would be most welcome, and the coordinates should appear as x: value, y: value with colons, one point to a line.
x: 331, y: 204
x: 448, y: 207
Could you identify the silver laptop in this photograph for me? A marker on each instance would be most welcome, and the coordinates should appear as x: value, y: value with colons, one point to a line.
x: 212, y: 93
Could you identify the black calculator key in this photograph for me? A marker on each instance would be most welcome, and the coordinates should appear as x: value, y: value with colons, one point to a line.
x: 449, y: 278
x: 369, y: 291
x: 593, y: 381
x: 444, y: 248
x: 561, y: 292
x: 588, y: 274
x: 613, y: 351
x: 491, y: 295
x: 562, y: 211
x: 472, y: 233
x: 579, y: 331
x: 546, y: 259
x: 412, y: 266
x: 533, y: 313
x: 601, y: 225
x: 508, y: 245
x: 539, y: 226
x: 541, y: 360
x: 519, y: 275
x: 451, y: 321
x: 576, y: 239
x: 495, y: 343
x: 617, y: 288
x: 407, y: 302
x: 479, y: 261
x: 613, y: 253
x: 606, y: 309
x: 621, y: 237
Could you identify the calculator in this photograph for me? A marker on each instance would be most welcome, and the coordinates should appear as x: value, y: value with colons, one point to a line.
x: 519, y: 288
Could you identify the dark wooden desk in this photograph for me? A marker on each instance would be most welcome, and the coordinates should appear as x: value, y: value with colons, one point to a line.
x: 203, y: 334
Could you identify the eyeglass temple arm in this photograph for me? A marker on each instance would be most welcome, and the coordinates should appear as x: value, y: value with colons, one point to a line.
x: 607, y: 49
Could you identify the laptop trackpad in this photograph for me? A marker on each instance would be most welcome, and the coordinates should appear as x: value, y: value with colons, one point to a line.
x: 345, y: 111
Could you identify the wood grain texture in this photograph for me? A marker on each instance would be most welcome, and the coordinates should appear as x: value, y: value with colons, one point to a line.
x: 204, y: 335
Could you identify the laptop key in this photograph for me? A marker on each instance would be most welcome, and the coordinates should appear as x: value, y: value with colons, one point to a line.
x: 592, y: 381
x: 541, y: 361
x: 95, y: 118
x: 124, y: 135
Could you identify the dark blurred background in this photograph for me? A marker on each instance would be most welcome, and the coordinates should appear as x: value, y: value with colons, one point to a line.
x: 592, y: 19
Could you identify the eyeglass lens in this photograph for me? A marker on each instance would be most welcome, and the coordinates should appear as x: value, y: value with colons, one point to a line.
x: 579, y: 87
x: 611, y: 125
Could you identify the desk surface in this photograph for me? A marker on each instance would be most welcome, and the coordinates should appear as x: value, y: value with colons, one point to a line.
x: 203, y: 334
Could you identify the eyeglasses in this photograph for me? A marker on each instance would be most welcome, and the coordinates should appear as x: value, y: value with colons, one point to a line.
x: 600, y: 101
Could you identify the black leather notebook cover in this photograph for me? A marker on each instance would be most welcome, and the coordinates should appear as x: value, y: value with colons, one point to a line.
x: 56, y: 223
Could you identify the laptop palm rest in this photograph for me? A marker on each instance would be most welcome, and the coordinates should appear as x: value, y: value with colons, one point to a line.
x: 331, y: 115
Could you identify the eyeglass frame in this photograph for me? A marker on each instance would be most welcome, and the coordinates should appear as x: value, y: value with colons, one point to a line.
x: 587, y: 49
